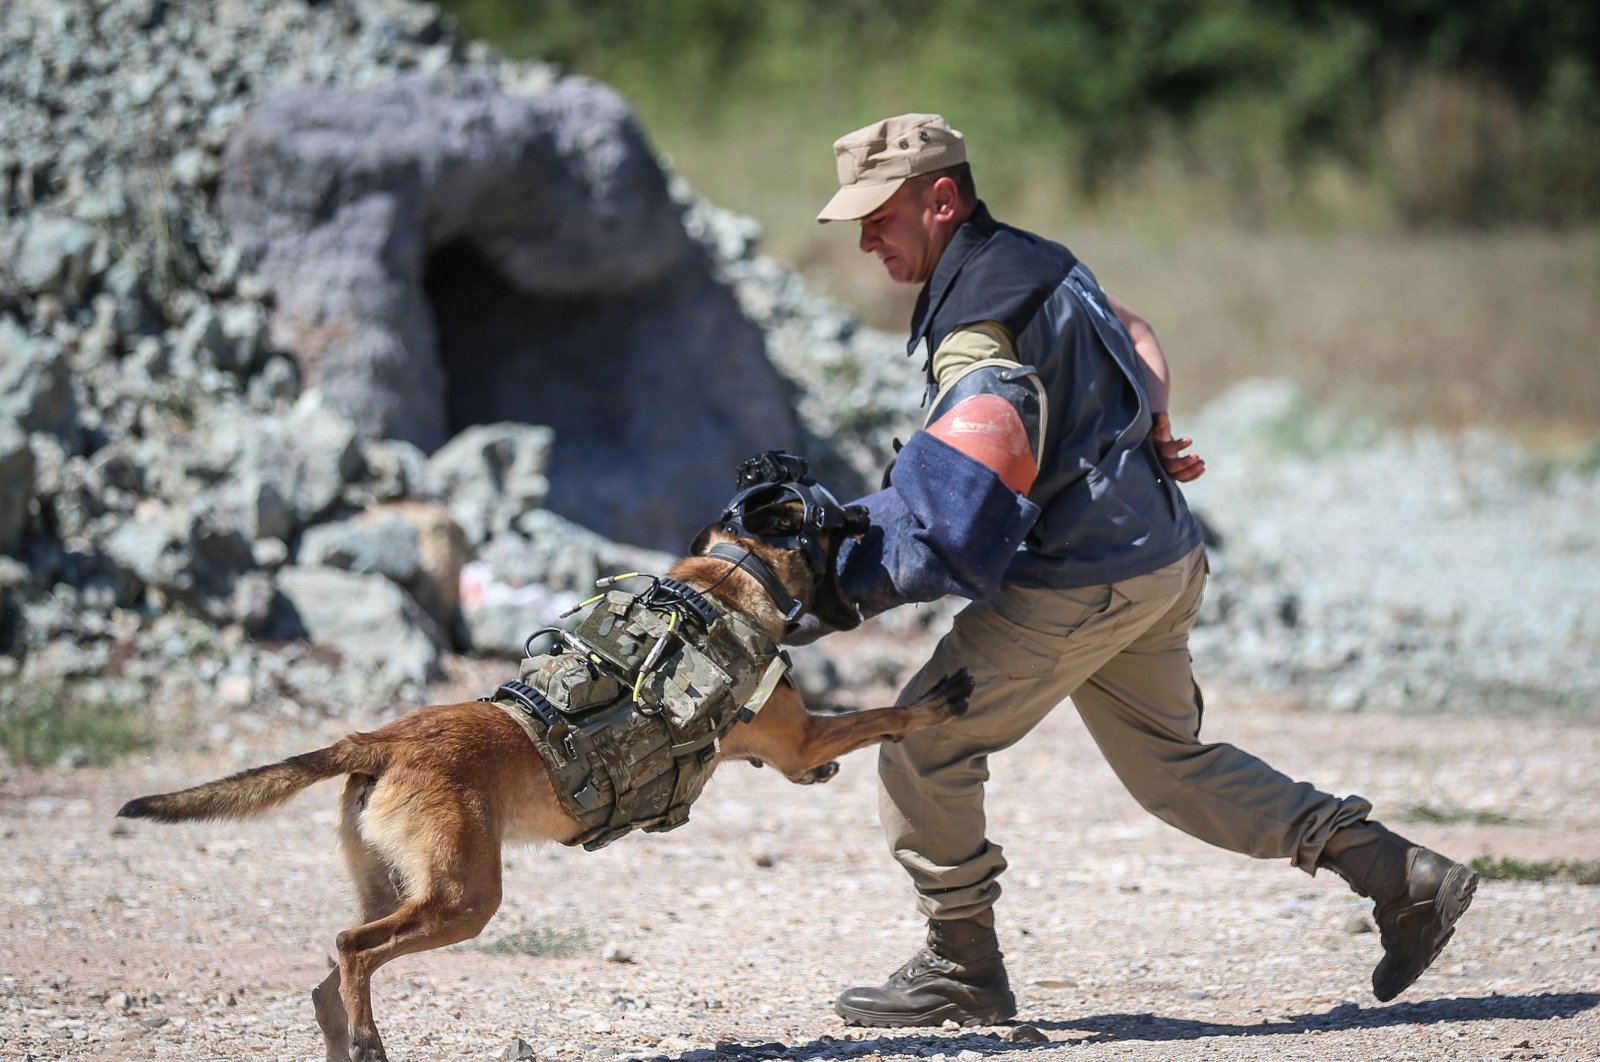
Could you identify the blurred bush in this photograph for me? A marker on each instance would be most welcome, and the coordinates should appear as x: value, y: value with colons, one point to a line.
x: 1444, y: 113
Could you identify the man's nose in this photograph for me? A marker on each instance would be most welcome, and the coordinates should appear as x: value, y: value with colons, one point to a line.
x: 867, y: 241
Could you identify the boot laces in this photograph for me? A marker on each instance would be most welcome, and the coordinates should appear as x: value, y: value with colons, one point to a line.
x: 925, y: 961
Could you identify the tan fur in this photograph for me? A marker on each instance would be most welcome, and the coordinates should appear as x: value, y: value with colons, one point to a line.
x: 429, y: 799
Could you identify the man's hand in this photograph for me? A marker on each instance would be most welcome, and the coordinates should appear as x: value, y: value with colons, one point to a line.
x: 1179, y: 465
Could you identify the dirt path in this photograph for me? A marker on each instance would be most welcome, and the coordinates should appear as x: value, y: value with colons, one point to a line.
x: 729, y: 938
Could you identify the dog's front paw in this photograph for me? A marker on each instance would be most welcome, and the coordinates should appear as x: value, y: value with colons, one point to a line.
x: 816, y: 774
x: 950, y: 693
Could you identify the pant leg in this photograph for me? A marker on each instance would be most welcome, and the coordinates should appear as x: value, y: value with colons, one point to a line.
x: 1027, y: 650
x: 1121, y: 652
x: 1143, y: 708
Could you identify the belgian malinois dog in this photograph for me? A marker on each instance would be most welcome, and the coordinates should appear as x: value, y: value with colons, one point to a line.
x: 429, y: 799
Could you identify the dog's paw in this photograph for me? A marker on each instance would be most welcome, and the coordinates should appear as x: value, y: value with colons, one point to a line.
x: 950, y: 693
x: 368, y: 1052
x: 816, y: 774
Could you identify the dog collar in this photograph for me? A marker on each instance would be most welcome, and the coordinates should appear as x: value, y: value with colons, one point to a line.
x: 741, y: 557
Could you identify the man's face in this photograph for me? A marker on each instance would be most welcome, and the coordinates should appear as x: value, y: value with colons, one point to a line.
x: 908, y: 233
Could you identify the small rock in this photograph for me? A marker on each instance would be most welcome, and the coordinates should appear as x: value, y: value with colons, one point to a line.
x: 1025, y: 1034
x: 1357, y: 925
x: 614, y: 952
x: 235, y: 691
x: 518, y: 1050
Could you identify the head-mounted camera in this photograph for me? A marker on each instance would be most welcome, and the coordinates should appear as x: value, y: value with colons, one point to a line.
x: 776, y: 478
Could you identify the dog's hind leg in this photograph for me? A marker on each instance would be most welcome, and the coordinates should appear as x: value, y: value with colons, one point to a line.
x: 377, y: 895
x: 450, y: 867
x: 331, y: 1017
x: 430, y: 921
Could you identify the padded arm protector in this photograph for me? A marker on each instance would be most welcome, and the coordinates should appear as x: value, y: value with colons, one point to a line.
x: 946, y: 524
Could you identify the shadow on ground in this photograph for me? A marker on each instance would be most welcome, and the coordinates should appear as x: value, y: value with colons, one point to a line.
x: 1104, y: 1028
x: 1543, y: 1007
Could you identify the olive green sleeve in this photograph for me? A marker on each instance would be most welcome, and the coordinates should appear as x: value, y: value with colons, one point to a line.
x: 968, y: 345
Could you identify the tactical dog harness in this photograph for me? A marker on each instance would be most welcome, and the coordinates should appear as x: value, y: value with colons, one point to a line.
x: 628, y: 713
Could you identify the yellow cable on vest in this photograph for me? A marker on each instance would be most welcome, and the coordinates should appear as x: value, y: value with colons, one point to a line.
x: 654, y: 656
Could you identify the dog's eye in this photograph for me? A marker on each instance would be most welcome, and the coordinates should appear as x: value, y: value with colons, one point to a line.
x: 773, y: 520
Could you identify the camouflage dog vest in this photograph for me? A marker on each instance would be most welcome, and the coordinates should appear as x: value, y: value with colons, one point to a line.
x: 629, y: 711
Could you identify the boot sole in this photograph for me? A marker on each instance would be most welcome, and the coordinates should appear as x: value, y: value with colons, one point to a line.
x: 1449, y: 904
x: 938, y: 1016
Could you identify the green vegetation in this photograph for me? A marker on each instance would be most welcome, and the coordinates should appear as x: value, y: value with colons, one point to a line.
x: 1445, y: 112
x: 1396, y: 204
x: 1496, y: 869
x: 1308, y: 430
x: 1449, y: 816
x: 66, y: 726
x: 541, y: 941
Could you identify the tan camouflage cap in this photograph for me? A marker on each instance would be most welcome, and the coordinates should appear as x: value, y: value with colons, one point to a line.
x: 875, y: 161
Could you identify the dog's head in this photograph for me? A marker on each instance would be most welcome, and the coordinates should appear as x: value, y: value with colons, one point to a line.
x: 795, y: 526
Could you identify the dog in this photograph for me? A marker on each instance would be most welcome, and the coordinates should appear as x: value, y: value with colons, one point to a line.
x: 430, y: 798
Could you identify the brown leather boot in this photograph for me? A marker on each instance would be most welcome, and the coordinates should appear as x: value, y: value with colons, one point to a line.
x: 1419, y: 896
x: 959, y: 976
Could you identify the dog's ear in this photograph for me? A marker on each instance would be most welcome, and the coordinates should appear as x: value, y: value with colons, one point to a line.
x: 702, y: 541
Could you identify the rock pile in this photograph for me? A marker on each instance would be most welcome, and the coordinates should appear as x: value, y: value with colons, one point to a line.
x: 305, y: 310
x: 192, y: 500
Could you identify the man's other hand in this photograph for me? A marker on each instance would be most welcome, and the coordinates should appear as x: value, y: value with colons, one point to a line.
x: 1179, y: 465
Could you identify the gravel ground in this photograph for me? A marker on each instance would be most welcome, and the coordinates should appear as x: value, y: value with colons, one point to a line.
x: 729, y: 937
x: 1379, y: 569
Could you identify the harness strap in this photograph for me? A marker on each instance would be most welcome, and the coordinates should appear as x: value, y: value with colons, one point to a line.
x: 691, y: 599
x: 743, y: 558
x: 775, y: 673
x: 530, y: 701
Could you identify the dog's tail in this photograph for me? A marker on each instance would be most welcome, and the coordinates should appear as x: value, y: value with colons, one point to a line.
x: 239, y: 796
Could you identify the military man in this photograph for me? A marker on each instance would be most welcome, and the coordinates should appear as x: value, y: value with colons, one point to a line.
x: 1044, y: 487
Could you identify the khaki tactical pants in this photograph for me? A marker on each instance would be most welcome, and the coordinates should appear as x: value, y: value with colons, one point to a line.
x: 1121, y: 652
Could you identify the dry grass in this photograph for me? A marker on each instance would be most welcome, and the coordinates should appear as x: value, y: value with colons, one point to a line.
x: 1246, y: 269
x: 1447, y: 330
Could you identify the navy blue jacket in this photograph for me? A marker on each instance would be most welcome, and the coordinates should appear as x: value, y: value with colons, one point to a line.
x: 1101, y: 509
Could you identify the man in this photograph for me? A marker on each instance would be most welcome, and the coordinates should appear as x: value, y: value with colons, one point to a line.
x: 1044, y: 487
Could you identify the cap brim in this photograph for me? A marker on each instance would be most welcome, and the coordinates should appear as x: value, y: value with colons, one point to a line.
x: 856, y: 201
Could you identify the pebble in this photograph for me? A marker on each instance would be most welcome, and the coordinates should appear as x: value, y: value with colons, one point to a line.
x: 1025, y: 1034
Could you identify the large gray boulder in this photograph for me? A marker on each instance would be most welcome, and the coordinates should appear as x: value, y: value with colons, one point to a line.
x: 367, y: 619
x: 445, y: 251
x: 417, y: 545
x: 493, y: 474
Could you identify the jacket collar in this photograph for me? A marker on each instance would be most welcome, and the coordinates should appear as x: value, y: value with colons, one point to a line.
x: 972, y: 235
